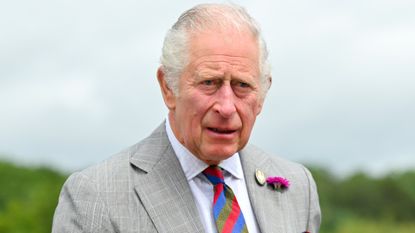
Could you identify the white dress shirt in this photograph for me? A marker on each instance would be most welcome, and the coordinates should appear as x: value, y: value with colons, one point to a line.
x: 202, y: 189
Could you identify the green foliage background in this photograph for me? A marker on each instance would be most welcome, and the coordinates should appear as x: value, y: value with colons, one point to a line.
x: 28, y: 197
x: 363, y: 204
x: 355, y: 204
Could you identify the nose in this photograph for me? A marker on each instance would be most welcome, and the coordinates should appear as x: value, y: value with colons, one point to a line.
x: 225, y: 101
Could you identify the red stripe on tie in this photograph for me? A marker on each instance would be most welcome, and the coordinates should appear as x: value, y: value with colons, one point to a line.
x: 218, y: 191
x: 233, y: 216
x: 214, y: 172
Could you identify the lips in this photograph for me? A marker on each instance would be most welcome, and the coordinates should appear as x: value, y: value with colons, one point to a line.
x: 222, y: 131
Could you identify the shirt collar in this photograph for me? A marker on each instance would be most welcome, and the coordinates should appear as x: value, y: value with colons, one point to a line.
x: 193, y: 166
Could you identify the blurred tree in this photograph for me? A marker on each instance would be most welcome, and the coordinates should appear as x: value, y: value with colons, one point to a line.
x: 356, y: 202
x: 28, y: 198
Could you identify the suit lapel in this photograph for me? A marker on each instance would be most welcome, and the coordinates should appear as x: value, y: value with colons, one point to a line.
x: 267, y: 204
x: 163, y: 190
x: 162, y: 186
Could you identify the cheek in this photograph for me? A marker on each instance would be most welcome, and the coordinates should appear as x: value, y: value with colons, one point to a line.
x: 195, y: 110
x: 248, y: 113
x: 249, y: 110
x: 200, y: 105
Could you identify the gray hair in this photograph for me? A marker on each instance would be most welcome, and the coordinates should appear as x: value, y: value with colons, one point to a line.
x: 175, y: 50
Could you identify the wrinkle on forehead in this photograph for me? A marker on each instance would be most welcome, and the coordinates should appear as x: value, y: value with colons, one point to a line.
x: 224, y: 70
x: 227, y: 43
x: 224, y: 54
x: 224, y: 62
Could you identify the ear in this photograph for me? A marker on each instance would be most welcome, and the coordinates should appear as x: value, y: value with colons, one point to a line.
x: 168, y: 95
x: 269, y: 83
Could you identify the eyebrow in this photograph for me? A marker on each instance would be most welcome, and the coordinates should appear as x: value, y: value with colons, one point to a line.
x: 209, y: 74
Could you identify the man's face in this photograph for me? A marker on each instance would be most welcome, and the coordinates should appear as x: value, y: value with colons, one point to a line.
x: 219, y: 95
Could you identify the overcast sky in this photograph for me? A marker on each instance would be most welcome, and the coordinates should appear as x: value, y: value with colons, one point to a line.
x: 77, y: 80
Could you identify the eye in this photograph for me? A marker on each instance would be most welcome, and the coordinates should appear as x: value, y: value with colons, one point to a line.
x: 243, y: 84
x: 241, y: 88
x: 209, y: 86
x: 208, y: 82
x: 240, y: 84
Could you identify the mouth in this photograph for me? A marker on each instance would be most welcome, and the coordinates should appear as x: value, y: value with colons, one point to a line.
x: 221, y: 131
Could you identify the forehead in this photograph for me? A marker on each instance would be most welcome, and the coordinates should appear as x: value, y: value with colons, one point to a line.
x: 220, y: 66
x: 230, y: 45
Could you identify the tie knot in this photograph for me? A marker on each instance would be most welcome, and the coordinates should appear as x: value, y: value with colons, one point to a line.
x: 214, y: 174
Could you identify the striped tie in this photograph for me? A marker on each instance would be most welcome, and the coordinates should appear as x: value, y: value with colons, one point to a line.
x: 228, y: 216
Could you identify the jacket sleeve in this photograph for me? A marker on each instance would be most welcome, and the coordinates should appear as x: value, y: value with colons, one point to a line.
x: 314, y: 212
x: 80, y: 208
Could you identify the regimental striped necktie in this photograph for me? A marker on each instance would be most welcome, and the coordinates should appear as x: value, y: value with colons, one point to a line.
x: 228, y: 216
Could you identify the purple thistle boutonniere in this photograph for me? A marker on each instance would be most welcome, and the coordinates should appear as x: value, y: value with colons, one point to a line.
x: 278, y: 183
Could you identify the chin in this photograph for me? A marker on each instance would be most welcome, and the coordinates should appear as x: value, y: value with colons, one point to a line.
x: 220, y: 154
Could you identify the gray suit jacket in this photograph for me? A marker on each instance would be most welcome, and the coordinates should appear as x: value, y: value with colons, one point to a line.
x: 144, y: 189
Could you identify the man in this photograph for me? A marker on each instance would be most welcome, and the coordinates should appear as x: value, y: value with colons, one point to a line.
x: 195, y: 172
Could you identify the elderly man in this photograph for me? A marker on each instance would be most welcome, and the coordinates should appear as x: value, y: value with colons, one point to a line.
x: 195, y: 172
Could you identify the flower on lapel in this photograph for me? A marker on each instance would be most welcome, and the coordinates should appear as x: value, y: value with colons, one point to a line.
x: 278, y: 183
